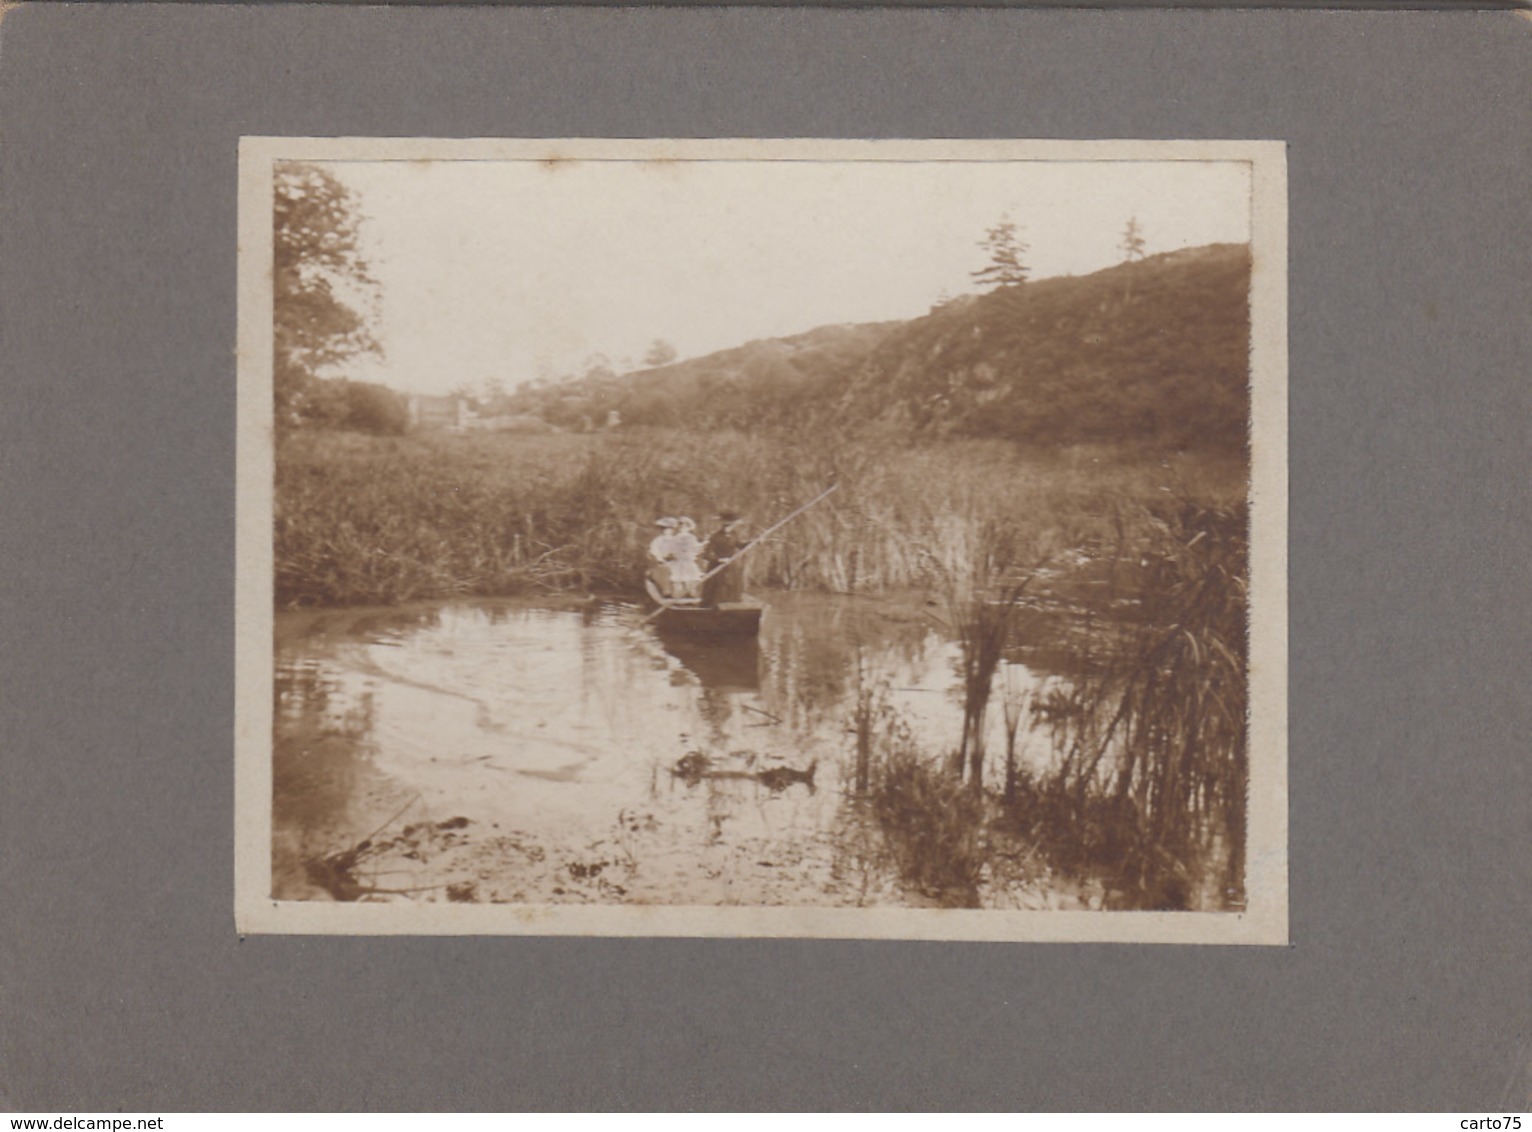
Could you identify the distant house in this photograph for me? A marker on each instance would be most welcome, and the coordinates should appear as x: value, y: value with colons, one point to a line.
x: 439, y: 412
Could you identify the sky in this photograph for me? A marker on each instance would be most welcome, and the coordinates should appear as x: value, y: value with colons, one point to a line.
x: 511, y: 270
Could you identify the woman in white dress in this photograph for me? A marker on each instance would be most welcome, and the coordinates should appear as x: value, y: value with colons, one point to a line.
x: 661, y: 555
x: 685, y: 571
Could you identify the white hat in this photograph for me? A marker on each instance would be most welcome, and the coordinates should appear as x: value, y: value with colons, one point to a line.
x: 667, y: 521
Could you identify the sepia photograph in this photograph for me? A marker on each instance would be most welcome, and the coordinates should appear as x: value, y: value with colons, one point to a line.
x: 870, y: 539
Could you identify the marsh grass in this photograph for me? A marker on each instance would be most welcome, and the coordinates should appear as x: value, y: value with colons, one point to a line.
x: 1145, y: 788
x: 380, y: 520
x: 935, y: 832
x: 932, y: 832
x: 1150, y: 733
x: 937, y: 829
x: 1014, y: 703
x: 984, y: 601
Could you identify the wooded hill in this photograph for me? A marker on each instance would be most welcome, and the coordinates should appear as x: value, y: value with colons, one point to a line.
x: 1149, y: 354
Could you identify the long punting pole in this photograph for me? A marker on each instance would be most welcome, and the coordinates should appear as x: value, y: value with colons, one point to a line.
x: 756, y: 541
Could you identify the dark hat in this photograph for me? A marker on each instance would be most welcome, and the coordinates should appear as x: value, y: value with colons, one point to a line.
x: 727, y: 516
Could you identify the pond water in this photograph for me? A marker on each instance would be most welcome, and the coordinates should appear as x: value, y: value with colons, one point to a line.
x: 501, y: 751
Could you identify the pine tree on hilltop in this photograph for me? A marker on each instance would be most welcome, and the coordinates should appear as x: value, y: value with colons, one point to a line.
x: 661, y: 353
x: 1007, y: 251
x: 1132, y: 246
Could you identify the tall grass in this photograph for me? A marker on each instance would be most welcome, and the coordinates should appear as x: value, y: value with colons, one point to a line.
x: 1014, y: 704
x: 1152, y: 769
x: 934, y: 832
x: 377, y: 520
x: 936, y: 829
x: 1146, y: 786
x: 984, y: 602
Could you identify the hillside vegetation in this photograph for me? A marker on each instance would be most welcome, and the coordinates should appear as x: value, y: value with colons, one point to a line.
x: 1152, y: 355
x: 765, y: 383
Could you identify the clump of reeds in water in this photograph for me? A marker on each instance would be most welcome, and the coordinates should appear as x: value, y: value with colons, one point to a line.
x: 1146, y: 787
x: 932, y: 830
x: 1153, y: 769
x: 1015, y: 702
x: 935, y: 827
x: 938, y: 827
x: 984, y: 601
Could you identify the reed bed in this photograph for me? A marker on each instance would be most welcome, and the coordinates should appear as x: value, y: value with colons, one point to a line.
x: 984, y: 601
x: 1145, y: 789
x: 934, y: 832
x: 1152, y: 737
x: 382, y: 520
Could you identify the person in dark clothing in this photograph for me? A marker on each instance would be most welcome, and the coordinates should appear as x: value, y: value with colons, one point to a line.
x: 722, y: 546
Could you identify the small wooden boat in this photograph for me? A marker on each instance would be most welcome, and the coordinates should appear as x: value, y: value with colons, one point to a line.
x: 728, y: 619
x: 692, y: 618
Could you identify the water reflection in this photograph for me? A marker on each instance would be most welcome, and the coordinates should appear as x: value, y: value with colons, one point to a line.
x: 538, y: 755
x: 729, y: 664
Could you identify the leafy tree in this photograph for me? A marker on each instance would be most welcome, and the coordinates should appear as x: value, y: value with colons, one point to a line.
x: 356, y: 406
x: 1132, y: 246
x: 661, y: 353
x: 316, y: 260
x: 376, y: 409
x: 1007, y: 256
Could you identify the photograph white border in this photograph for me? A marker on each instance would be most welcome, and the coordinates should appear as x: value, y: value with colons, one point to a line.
x: 1265, y: 919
